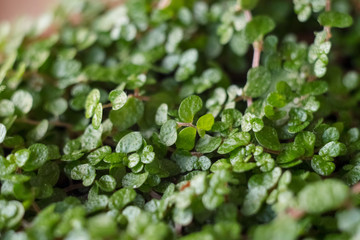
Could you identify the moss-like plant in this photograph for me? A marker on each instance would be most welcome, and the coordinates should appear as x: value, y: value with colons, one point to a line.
x: 181, y: 119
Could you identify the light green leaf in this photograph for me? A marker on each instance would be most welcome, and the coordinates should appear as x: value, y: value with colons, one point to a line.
x: 323, y: 196
x: 84, y: 172
x: 330, y: 134
x: 225, y: 33
x: 161, y: 114
x: 38, y: 157
x: 118, y: 99
x: 240, y: 167
x: 56, y: 106
x: 283, y: 227
x: 22, y: 100
x: 134, y: 180
x: 21, y: 157
x: 253, y: 200
x: 99, y: 154
x: 267, y: 180
x: 97, y: 117
x: 232, y: 117
x: 91, y: 102
x: 2, y: 132
x: 184, y: 160
x: 7, y: 108
x: 91, y: 138
x: 168, y: 133
x: 186, y: 138
x: 238, y: 43
x: 205, y: 123
x: 107, y: 183
x: 121, y: 198
x: 189, y: 56
x: 131, y: 142
x: 208, y: 144
x: 322, y: 165
x: 189, y: 107
x: 133, y: 160
x: 11, y: 213
x: 147, y: 155
x: 234, y: 141
x: 333, y: 149
x: 7, y: 65
x: 39, y: 131
x: 204, y: 163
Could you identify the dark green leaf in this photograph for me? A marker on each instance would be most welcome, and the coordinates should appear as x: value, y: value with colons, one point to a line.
x: 268, y: 138
x: 258, y: 82
x: 257, y: 28
x: 335, y: 19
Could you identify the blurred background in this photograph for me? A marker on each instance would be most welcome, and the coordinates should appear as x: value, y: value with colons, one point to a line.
x: 12, y: 9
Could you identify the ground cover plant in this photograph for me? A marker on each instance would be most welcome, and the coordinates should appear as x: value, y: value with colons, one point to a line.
x: 181, y: 119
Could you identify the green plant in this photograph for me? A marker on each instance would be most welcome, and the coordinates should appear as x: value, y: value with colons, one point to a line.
x: 156, y: 120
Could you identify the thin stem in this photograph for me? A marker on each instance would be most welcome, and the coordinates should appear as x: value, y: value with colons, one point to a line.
x: 356, y: 188
x: 257, y: 45
x: 257, y: 53
x: 248, y: 15
x: 155, y: 195
x: 54, y: 123
x: 295, y: 213
x: 328, y: 5
x: 181, y: 124
x: 178, y: 229
x: 73, y: 187
x: 327, y: 28
x: 36, y: 207
x: 142, y: 98
x: 271, y: 151
x: 109, y: 105
x: 196, y: 154
x: 61, y: 124
x: 136, y: 92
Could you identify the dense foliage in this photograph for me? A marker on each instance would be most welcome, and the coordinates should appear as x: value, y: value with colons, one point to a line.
x: 181, y: 119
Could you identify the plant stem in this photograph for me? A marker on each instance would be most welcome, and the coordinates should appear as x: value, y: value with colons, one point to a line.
x: 54, y: 123
x: 356, y: 188
x: 295, y: 213
x: 257, y: 52
x: 327, y: 28
x: 36, y: 207
x: 154, y: 194
x: 196, y: 154
x: 257, y: 45
x: 181, y: 124
x: 109, y: 105
x: 73, y: 187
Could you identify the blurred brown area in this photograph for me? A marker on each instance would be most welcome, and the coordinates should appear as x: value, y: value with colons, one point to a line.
x: 13, y: 9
